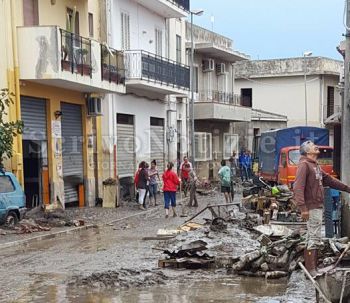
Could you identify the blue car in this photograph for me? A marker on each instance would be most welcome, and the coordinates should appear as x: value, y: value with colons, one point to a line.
x: 12, y: 199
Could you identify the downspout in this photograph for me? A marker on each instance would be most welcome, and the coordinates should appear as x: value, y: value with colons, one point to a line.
x: 17, y: 90
x: 322, y: 100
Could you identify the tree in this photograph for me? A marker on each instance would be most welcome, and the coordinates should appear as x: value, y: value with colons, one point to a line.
x: 8, y: 130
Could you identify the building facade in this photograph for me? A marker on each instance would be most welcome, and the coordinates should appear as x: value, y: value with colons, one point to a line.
x: 146, y: 123
x: 278, y: 86
x: 58, y: 68
x: 217, y: 105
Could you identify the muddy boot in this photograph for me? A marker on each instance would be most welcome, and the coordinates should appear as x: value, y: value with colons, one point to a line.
x: 174, y: 212
x: 166, y: 213
x: 311, y: 257
x: 195, y: 204
x: 141, y: 207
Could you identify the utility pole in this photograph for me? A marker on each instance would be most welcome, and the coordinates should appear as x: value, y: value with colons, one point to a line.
x: 345, y: 127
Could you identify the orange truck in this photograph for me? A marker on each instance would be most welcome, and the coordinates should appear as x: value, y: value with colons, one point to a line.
x: 279, y: 152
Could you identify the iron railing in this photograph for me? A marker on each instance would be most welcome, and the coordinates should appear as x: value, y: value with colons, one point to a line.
x: 112, y: 65
x: 184, y: 4
x: 219, y: 97
x: 75, y: 53
x: 143, y: 65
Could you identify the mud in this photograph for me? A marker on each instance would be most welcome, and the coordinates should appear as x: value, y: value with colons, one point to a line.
x: 114, y: 264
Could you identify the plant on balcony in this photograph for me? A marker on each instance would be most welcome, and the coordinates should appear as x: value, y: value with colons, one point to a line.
x: 8, y: 130
x: 111, y: 72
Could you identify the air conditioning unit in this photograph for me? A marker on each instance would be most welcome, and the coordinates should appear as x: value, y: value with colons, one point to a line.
x: 208, y: 65
x: 94, y: 106
x: 220, y: 68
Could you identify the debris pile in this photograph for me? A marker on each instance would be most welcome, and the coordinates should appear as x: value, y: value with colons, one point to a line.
x: 29, y: 226
x: 190, y: 256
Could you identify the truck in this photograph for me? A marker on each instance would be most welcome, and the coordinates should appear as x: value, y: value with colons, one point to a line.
x: 279, y: 152
x: 12, y: 199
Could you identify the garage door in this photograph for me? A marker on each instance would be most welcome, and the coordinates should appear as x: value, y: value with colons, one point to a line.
x: 157, y: 142
x: 33, y: 113
x: 125, y: 146
x: 72, y: 150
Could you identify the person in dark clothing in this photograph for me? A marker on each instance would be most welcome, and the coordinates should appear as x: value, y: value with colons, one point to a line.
x: 147, y: 187
x: 142, y: 183
x: 193, y: 188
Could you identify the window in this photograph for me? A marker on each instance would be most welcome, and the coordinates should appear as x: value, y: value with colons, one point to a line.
x: 230, y: 144
x: 247, y: 97
x: 125, y: 119
x: 330, y: 101
x: 284, y: 159
x: 159, y: 42
x: 125, y: 27
x: 178, y: 49
x: 6, y: 185
x: 70, y: 13
x: 203, y: 146
x: 157, y: 121
x: 195, y: 79
x: 91, y: 25
x: 30, y: 12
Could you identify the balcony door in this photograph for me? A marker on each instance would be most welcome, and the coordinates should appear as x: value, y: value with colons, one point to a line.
x: 30, y: 13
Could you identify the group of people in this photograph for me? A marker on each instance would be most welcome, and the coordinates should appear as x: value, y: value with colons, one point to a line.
x: 147, y: 180
x: 243, y: 165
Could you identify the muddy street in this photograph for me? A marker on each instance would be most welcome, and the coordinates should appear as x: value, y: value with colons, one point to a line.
x: 113, y: 263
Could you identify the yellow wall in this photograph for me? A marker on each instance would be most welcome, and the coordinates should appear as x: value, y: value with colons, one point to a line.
x: 54, y: 97
x: 57, y: 14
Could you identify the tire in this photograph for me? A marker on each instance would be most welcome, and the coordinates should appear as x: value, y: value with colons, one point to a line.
x: 11, y: 219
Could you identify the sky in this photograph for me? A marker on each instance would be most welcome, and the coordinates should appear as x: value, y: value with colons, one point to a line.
x: 266, y: 29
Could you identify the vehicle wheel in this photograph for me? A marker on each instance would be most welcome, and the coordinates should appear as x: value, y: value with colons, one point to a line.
x: 11, y: 219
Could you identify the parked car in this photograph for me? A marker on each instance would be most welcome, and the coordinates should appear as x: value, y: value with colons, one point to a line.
x: 12, y: 199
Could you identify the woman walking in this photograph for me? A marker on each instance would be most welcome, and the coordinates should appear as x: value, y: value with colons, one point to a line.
x: 153, y: 182
x: 170, y: 183
x: 142, y: 183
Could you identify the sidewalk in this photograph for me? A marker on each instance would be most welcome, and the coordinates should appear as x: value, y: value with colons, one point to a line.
x: 93, y: 217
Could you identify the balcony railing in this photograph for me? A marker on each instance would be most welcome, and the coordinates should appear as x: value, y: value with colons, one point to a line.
x: 142, y: 65
x: 219, y: 97
x: 75, y: 53
x: 184, y: 4
x: 112, y: 65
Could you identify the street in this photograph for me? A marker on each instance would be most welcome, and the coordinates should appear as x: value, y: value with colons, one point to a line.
x: 113, y: 264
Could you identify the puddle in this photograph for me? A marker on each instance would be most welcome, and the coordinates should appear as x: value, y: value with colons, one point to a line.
x: 234, y: 290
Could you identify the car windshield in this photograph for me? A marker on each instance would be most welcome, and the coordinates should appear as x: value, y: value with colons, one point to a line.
x: 325, y: 157
x: 6, y: 185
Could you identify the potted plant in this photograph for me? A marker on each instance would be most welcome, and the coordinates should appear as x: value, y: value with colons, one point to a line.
x: 83, y: 68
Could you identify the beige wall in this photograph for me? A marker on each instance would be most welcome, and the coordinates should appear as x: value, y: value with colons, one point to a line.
x: 286, y: 96
x: 56, y: 14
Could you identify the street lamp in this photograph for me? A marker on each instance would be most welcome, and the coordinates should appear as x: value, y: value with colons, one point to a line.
x: 305, y: 55
x: 197, y: 12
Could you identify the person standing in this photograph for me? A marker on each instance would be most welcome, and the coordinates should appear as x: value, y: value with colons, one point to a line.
x: 234, y: 167
x: 153, y: 183
x: 193, y: 188
x: 147, y: 189
x: 170, y: 183
x: 249, y: 164
x: 225, y: 180
x: 185, y: 168
x: 309, y: 196
x: 243, y: 166
x: 142, y: 183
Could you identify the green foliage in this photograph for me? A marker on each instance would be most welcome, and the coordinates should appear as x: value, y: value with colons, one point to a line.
x: 8, y: 130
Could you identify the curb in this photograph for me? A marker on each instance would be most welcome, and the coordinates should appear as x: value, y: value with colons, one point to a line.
x: 74, y: 229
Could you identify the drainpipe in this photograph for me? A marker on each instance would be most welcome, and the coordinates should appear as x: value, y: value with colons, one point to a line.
x: 322, y: 100
x: 17, y: 90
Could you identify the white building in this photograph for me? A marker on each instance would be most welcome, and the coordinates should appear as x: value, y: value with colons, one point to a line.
x: 217, y: 102
x: 144, y: 123
x: 278, y: 86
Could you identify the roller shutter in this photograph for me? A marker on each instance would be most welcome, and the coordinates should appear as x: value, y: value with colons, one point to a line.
x: 33, y: 113
x: 72, y: 150
x: 157, y: 146
x: 125, y: 146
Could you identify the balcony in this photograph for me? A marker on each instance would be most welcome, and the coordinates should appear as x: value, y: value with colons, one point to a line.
x: 112, y: 65
x: 52, y: 56
x: 216, y: 105
x: 167, y: 8
x: 149, y: 72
